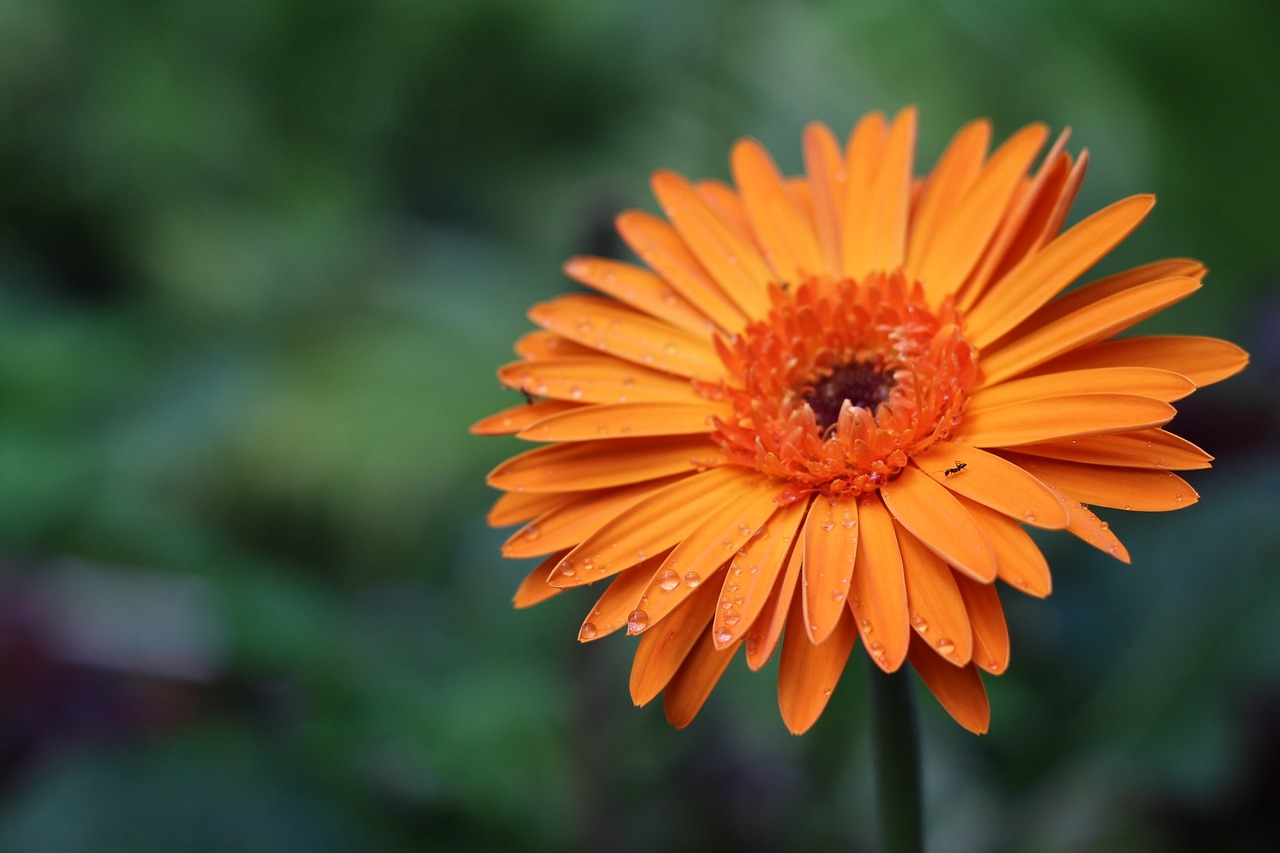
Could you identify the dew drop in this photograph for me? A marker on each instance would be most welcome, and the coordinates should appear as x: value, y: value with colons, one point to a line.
x: 917, y: 622
x: 726, y: 543
x: 865, y: 625
x: 827, y: 523
x: 532, y: 531
x: 837, y: 595
x: 732, y: 617
x: 567, y: 569
x: 588, y: 631
x: 641, y: 555
x: 587, y: 565
x: 667, y: 580
x: 723, y: 636
x: 692, y: 579
x: 637, y: 621
x: 945, y: 646
x: 575, y: 392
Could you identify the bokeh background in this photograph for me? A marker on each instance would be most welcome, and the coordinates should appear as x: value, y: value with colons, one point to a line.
x: 258, y: 262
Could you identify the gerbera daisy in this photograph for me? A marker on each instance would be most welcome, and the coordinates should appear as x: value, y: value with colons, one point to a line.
x: 827, y: 406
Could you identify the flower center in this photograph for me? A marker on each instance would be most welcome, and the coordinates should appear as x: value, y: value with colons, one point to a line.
x: 841, y: 383
x: 862, y: 385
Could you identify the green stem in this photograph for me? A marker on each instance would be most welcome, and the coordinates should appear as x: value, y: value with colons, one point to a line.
x: 896, y: 747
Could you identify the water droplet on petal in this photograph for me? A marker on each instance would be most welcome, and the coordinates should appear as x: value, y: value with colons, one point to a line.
x: 668, y: 580
x: 723, y: 636
x: 588, y: 631
x: 945, y: 646
x: 637, y: 621
x: 532, y: 531
x: 692, y: 579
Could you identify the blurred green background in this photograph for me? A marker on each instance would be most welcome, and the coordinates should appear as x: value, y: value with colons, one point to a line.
x: 258, y: 262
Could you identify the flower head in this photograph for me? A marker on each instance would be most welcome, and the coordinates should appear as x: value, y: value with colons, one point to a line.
x: 827, y: 405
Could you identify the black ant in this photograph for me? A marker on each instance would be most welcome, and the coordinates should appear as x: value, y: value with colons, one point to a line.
x: 960, y: 466
x: 528, y: 398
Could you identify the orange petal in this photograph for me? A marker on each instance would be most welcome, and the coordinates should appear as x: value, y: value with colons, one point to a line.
x: 578, y: 516
x: 511, y: 421
x: 696, y: 678
x: 885, y: 240
x: 1151, y: 382
x: 659, y: 246
x: 515, y: 507
x: 940, y: 521
x: 958, y: 689
x: 663, y: 648
x: 825, y: 168
x: 1033, y: 344
x: 1034, y: 283
x: 1121, y: 488
x: 986, y: 616
x: 654, y: 524
x: 730, y: 260
x: 856, y: 210
x: 713, y: 543
x: 754, y: 573
x: 596, y: 379
x: 618, y: 420
x: 789, y: 244
x: 988, y: 479
x: 808, y: 673
x: 534, y: 589
x: 1093, y: 530
x: 830, y: 546
x: 1055, y: 418
x: 1087, y: 294
x: 641, y: 290
x: 598, y: 465
x: 936, y: 608
x: 1020, y: 228
x: 1202, y: 360
x: 762, y: 636
x: 1019, y: 562
x: 619, y: 601
x: 604, y: 325
x: 879, y: 595
x: 539, y: 346
x: 1148, y: 448
x: 727, y: 205
x: 948, y: 259
x: 957, y: 169
x: 1033, y: 223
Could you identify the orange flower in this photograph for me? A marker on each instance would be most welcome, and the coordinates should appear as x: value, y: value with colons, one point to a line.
x: 832, y: 401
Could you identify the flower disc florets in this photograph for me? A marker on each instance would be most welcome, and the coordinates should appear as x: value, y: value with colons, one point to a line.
x: 842, y: 383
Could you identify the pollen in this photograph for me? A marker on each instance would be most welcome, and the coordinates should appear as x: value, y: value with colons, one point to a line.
x: 841, y: 384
